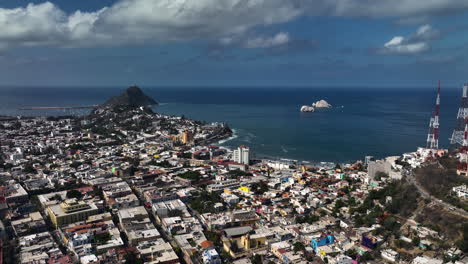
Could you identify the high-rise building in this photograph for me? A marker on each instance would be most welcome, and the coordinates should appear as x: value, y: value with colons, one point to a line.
x: 187, y: 137
x: 241, y: 155
x: 368, y: 159
x: 374, y: 167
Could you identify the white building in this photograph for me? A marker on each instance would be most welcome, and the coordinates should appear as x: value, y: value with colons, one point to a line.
x: 390, y: 255
x: 425, y: 260
x: 375, y: 167
x: 221, y: 185
x: 461, y: 191
x: 241, y: 155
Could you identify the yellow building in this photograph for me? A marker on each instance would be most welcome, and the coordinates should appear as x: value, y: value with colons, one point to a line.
x: 71, y: 211
x: 239, y: 242
x: 244, y: 189
x: 187, y: 137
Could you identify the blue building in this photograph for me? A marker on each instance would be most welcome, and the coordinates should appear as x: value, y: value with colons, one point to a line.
x: 322, y: 241
x: 211, y: 256
x: 369, y: 241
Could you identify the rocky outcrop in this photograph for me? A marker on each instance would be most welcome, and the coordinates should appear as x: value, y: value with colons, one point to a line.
x: 307, y: 108
x: 133, y: 97
x: 321, y: 104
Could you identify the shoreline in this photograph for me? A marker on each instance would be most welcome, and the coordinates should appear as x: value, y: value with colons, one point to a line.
x: 218, y: 139
x: 284, y: 159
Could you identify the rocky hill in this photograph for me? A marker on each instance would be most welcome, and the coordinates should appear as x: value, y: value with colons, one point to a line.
x: 133, y: 97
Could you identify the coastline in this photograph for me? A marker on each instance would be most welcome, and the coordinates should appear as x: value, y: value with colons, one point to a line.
x: 232, y: 137
x: 280, y: 158
x: 219, y: 139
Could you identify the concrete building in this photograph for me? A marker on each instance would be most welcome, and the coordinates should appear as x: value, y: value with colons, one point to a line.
x: 221, y: 185
x: 162, y: 209
x: 374, y: 167
x: 33, y: 223
x: 315, y: 243
x: 241, y: 155
x: 461, y: 191
x: 187, y: 137
x: 368, y: 159
x: 240, y: 242
x: 211, y: 256
x: 389, y: 254
x: 157, y: 251
x: 14, y: 194
x: 426, y: 260
x: 71, y: 211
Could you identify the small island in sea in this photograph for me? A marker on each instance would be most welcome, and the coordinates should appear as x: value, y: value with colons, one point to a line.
x: 319, y: 104
x: 133, y: 96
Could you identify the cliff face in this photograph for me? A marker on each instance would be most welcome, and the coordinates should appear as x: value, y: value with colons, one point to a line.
x: 307, y: 108
x: 321, y: 104
x: 133, y: 97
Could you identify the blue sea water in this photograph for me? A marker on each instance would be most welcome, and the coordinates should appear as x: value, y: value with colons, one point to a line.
x: 363, y: 121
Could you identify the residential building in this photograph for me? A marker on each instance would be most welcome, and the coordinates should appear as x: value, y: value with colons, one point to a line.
x: 241, y: 155
x: 71, y: 211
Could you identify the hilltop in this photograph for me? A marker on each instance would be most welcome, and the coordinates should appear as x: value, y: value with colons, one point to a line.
x: 132, y: 96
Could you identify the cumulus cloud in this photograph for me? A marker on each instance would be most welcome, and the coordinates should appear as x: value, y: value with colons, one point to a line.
x: 268, y: 42
x: 418, y: 42
x: 398, y: 45
x: 136, y: 21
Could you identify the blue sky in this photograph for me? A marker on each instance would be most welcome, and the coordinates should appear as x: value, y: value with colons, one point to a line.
x: 233, y: 43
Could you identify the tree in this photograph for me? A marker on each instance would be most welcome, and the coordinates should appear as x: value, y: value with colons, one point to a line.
x: 102, y: 238
x: 256, y: 259
x: 214, y: 237
x: 391, y: 223
x: 57, y: 197
x: 75, y: 164
x: 175, y: 212
x: 191, y: 175
x: 238, y: 173
x: 462, y: 244
x: 28, y: 168
x: 351, y: 252
x: 309, y: 218
x: 379, y: 175
x: 299, y: 246
x: 186, y: 155
x: 259, y: 188
x: 132, y: 258
x: 338, y: 204
x: 74, y: 194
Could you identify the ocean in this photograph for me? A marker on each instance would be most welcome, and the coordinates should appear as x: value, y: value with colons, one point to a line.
x: 363, y: 121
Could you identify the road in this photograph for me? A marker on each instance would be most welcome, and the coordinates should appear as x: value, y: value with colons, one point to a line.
x: 434, y: 200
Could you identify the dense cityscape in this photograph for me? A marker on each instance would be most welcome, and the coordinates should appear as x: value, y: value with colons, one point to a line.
x: 124, y: 184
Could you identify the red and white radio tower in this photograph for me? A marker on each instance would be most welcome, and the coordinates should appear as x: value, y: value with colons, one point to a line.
x: 433, y: 135
x: 463, y: 162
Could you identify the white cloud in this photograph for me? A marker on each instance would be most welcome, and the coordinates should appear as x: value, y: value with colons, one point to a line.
x: 135, y: 21
x: 426, y: 32
x: 396, y: 8
x: 417, y: 43
x: 267, y: 42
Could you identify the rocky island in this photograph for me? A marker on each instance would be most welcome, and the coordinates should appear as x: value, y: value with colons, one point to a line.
x: 133, y: 97
x: 307, y: 108
x: 319, y: 104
